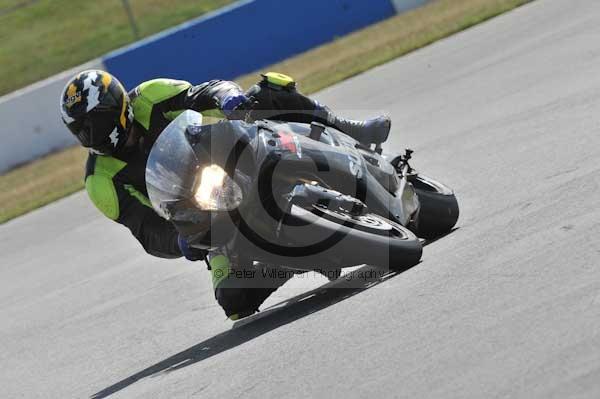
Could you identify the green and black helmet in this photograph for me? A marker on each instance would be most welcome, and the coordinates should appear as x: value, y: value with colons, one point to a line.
x: 96, y: 108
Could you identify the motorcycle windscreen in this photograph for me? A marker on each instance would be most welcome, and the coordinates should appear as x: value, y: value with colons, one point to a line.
x: 172, y: 168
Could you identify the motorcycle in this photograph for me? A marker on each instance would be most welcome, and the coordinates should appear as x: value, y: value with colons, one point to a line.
x: 305, y: 197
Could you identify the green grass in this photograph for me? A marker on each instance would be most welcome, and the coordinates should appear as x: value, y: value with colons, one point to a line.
x: 49, y: 36
x: 60, y: 174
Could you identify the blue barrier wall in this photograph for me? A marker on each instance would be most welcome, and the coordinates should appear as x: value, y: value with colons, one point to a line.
x: 243, y: 38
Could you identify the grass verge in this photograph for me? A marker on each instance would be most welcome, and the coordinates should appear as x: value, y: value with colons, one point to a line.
x: 60, y: 174
x: 45, y: 37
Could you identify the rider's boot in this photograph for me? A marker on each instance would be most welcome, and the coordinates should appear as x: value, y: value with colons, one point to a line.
x: 276, y: 97
x: 375, y: 130
x: 241, y: 292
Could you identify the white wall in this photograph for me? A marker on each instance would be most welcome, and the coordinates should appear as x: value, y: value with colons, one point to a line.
x: 30, y: 124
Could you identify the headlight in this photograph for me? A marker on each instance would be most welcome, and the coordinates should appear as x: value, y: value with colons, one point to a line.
x: 217, y: 191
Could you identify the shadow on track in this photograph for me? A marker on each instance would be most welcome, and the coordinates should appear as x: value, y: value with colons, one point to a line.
x: 267, y: 320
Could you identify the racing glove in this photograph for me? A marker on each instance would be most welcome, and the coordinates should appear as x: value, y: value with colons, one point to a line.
x: 235, y: 107
x: 190, y: 253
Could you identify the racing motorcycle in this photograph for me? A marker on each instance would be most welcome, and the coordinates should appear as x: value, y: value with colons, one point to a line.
x: 300, y: 196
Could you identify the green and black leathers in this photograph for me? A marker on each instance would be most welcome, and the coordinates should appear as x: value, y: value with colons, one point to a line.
x: 117, y: 185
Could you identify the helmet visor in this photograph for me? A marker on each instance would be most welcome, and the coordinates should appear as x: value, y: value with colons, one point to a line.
x: 97, y: 130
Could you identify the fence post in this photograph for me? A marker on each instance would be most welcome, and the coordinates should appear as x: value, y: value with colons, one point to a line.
x: 134, y: 27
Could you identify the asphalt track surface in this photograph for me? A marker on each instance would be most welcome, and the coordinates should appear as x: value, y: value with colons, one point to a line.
x: 508, y: 305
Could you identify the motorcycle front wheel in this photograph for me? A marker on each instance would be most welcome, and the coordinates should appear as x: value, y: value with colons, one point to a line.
x: 349, y: 240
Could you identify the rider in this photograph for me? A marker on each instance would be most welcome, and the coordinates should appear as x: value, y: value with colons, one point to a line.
x: 119, y: 129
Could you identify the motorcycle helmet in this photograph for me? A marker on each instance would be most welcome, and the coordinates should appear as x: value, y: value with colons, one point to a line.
x: 96, y: 109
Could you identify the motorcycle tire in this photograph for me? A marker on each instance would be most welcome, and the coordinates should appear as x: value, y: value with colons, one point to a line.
x: 439, y: 210
x: 355, y: 239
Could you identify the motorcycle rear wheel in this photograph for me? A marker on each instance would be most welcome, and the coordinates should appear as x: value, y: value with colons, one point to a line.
x: 439, y: 210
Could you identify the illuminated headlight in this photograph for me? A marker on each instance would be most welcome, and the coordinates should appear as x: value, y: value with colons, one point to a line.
x: 217, y: 191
